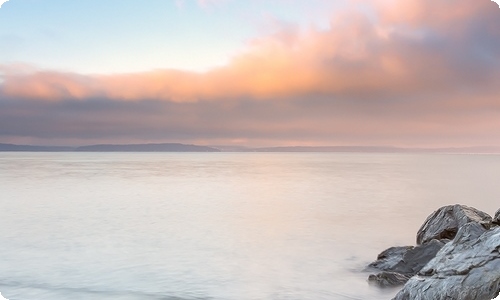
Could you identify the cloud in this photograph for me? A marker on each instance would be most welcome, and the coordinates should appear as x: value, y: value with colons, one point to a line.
x: 411, y: 49
x: 2, y: 2
x: 436, y: 120
x: 1, y: 293
x: 423, y: 72
x: 208, y: 3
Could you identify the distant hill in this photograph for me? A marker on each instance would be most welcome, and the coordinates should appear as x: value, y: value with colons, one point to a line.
x: 27, y: 148
x: 169, y: 147
x: 329, y: 149
x: 176, y: 147
x: 230, y: 148
x: 373, y: 149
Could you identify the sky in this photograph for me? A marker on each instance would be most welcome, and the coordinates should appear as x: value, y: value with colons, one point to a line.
x: 406, y: 73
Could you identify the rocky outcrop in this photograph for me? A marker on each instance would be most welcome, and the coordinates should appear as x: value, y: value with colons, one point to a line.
x: 445, y: 222
x: 457, y: 257
x: 496, y: 220
x: 406, y: 260
x: 388, y: 279
x: 466, y: 268
x: 388, y: 259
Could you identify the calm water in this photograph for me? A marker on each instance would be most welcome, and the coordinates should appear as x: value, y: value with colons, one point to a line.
x: 219, y: 226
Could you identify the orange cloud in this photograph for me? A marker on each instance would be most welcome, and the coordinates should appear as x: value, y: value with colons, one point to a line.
x: 385, y: 72
x: 414, y: 46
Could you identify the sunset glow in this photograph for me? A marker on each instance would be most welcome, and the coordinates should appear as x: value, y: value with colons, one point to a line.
x: 399, y: 73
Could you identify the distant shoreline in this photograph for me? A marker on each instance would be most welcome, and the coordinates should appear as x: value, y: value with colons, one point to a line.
x: 178, y: 147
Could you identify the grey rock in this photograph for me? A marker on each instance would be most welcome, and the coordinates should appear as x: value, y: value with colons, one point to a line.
x: 445, y: 222
x: 466, y: 268
x: 388, y: 279
x: 400, y: 263
x: 415, y: 259
x: 496, y: 220
x: 388, y: 259
x: 407, y: 260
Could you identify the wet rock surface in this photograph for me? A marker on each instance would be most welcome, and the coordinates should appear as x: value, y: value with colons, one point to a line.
x: 388, y: 279
x: 390, y: 258
x: 407, y: 260
x: 457, y: 257
x: 445, y: 222
x: 466, y: 268
x: 496, y: 220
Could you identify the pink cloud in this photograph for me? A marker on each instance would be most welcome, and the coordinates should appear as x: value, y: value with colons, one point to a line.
x: 415, y: 71
x: 355, y: 55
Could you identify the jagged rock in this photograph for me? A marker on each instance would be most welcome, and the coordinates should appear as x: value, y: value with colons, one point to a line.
x: 388, y: 279
x: 496, y: 220
x: 407, y: 260
x: 457, y: 257
x: 400, y: 263
x: 445, y: 222
x: 466, y: 268
x: 389, y: 258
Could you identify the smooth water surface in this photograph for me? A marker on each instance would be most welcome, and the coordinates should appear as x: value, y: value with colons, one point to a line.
x: 219, y: 226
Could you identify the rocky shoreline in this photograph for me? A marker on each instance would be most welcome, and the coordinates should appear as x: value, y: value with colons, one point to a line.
x: 457, y: 256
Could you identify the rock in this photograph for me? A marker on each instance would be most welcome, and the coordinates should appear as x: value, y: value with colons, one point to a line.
x: 415, y: 259
x: 496, y: 220
x: 407, y: 260
x: 390, y: 258
x: 457, y: 257
x: 446, y: 221
x: 466, y: 268
x: 388, y: 279
x: 400, y: 263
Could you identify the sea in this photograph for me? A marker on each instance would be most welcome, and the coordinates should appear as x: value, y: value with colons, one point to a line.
x: 220, y: 226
